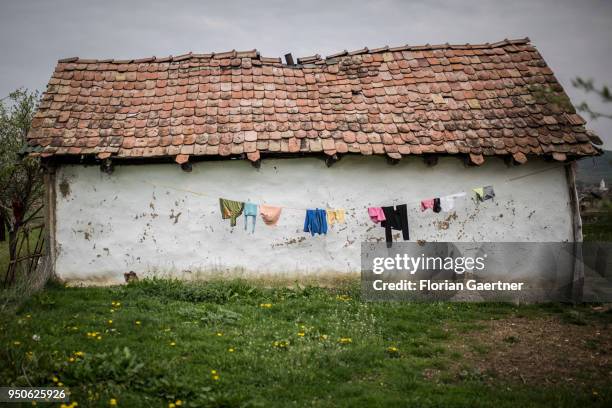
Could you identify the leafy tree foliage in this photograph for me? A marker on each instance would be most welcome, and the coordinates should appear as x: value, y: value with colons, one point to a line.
x: 21, y: 185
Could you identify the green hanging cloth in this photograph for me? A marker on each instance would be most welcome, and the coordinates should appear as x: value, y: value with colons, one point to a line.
x: 484, y: 193
x: 230, y: 209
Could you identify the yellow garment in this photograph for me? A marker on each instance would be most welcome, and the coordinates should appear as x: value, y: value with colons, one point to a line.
x: 336, y: 215
x: 479, y: 192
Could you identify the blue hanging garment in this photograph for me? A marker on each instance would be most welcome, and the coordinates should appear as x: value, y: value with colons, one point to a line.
x: 250, y: 210
x: 316, y: 221
x: 323, y: 218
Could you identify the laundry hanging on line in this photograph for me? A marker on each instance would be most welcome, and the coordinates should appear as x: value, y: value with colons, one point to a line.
x: 425, y: 204
x: 436, y: 205
x: 395, y: 219
x: 447, y: 203
x: 318, y: 220
x: 250, y: 211
x: 315, y: 221
x: 335, y: 215
x: 233, y: 209
x: 270, y: 214
x: 484, y: 193
x: 433, y: 203
x: 230, y: 209
x: 376, y: 214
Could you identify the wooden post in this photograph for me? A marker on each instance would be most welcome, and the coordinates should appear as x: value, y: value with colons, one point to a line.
x: 578, y: 270
x: 50, y: 220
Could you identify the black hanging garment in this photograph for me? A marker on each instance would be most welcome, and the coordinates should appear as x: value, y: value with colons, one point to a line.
x: 397, y: 219
x: 437, y: 208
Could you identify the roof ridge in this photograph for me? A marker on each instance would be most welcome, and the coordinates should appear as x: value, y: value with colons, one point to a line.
x: 254, y: 54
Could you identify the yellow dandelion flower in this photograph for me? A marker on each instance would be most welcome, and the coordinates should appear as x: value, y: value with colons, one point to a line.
x: 265, y: 305
x: 137, y: 322
x: 178, y: 403
x: 344, y: 298
x: 17, y: 343
x: 172, y: 343
x: 110, y: 322
x: 231, y: 350
x: 99, y: 337
x: 71, y: 359
x: 55, y: 379
x: 112, y: 402
x: 345, y: 340
x: 79, y: 353
x: 301, y: 334
x: 393, y: 351
x: 28, y: 316
x: 213, y: 371
x: 60, y: 384
x: 215, y: 377
x: 219, y: 334
x: 171, y: 405
x: 280, y: 344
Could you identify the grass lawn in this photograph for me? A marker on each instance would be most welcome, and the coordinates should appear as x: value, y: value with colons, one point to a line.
x: 597, y: 226
x: 233, y: 344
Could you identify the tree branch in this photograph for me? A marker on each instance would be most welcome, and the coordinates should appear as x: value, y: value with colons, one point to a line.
x: 588, y: 86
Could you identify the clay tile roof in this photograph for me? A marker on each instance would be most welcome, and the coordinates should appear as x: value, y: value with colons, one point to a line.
x: 476, y: 100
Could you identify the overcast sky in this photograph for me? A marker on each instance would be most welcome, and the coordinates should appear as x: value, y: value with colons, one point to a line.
x: 573, y: 36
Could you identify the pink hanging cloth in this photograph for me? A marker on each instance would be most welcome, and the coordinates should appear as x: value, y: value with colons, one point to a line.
x: 425, y: 204
x: 269, y: 214
x: 376, y: 214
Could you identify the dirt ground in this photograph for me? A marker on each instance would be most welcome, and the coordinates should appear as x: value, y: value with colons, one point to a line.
x: 543, y: 350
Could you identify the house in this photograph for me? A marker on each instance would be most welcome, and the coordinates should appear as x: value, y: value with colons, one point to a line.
x: 138, y: 152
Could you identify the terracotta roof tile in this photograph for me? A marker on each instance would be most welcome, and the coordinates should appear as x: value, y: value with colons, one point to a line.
x: 473, y: 99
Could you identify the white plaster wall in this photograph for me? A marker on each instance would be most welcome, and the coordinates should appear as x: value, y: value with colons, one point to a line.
x: 132, y: 220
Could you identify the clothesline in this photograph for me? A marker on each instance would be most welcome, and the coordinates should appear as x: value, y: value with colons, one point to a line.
x: 507, y: 181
